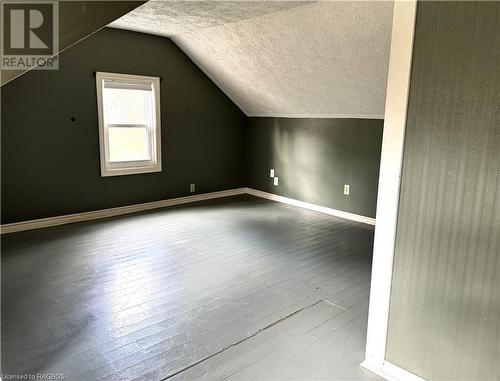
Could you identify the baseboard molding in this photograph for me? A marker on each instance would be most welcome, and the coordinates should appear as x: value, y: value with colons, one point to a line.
x: 391, y: 372
x: 316, y: 208
x: 111, y: 212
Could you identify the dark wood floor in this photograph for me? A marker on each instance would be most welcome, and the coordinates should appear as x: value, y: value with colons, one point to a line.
x: 239, y: 288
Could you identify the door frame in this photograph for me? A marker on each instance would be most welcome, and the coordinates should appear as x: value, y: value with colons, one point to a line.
x: 398, y: 85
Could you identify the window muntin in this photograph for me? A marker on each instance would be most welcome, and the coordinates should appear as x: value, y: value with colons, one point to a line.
x: 129, y: 123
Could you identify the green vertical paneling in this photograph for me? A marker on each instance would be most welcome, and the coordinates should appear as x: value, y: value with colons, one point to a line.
x: 445, y: 304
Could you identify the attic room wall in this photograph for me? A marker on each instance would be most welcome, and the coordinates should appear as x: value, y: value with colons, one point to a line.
x: 444, y: 321
x: 51, y: 167
x: 313, y: 159
x: 78, y: 19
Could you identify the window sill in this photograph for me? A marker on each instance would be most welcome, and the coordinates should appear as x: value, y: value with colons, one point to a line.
x: 130, y: 171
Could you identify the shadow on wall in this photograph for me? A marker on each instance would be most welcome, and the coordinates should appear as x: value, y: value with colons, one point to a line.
x: 314, y: 158
x: 299, y: 158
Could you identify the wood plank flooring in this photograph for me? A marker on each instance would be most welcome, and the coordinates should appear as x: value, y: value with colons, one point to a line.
x: 235, y: 288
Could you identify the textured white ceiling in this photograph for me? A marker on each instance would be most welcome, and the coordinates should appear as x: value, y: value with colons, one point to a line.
x: 170, y: 18
x: 282, y: 58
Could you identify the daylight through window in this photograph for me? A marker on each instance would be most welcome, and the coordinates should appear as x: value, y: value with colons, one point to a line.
x: 129, y: 123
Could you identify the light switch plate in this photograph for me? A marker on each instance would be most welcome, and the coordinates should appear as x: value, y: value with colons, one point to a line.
x: 192, y: 188
x: 347, y: 189
x: 271, y: 173
x: 276, y: 181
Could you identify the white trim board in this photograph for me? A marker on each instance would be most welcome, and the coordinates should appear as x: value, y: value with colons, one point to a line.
x: 111, y: 212
x: 391, y: 372
x: 316, y: 208
x: 316, y: 116
x: 398, y: 83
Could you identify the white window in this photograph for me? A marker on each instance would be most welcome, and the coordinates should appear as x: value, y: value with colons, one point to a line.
x: 129, y: 123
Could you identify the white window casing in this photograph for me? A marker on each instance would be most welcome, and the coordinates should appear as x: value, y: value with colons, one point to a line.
x: 129, y: 123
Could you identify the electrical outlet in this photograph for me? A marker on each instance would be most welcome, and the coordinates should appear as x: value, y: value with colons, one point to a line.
x: 192, y: 188
x: 347, y: 189
x: 271, y: 173
x: 276, y: 181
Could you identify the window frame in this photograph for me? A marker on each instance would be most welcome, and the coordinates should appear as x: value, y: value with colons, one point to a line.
x: 133, y: 167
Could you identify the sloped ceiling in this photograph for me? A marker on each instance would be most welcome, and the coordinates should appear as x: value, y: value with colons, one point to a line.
x: 282, y: 58
x: 79, y: 19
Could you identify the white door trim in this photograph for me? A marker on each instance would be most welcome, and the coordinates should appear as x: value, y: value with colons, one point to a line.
x: 398, y: 84
x: 391, y: 372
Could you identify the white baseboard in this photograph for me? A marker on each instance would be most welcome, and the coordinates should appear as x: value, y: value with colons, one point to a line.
x: 391, y: 372
x: 316, y: 208
x: 111, y: 212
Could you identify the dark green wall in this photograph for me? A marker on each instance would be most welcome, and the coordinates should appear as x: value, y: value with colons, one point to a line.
x: 314, y: 158
x: 444, y: 321
x: 51, y: 167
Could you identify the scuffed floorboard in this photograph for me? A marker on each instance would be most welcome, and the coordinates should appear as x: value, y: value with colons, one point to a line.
x: 322, y: 342
x: 168, y: 294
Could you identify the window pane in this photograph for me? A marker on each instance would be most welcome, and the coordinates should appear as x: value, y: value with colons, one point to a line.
x: 128, y: 144
x: 127, y: 106
x: 129, y: 123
